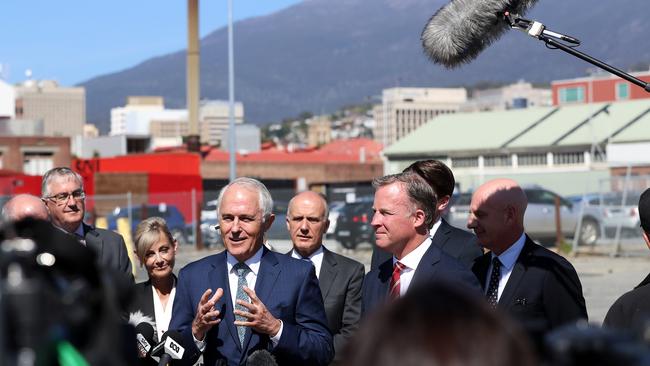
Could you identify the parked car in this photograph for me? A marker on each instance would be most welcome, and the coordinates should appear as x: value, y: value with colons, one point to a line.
x: 614, y: 211
x: 175, y: 220
x: 209, y: 233
x: 353, y: 224
x: 278, y: 231
x: 335, y: 210
x: 539, y: 219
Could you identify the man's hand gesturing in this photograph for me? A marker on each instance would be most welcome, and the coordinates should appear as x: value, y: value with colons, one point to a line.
x: 206, y: 315
x: 259, y: 318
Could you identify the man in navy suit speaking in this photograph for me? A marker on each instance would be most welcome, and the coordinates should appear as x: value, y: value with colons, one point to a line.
x: 249, y: 298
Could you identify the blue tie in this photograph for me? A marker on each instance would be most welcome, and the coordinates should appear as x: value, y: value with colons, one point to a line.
x: 242, y: 270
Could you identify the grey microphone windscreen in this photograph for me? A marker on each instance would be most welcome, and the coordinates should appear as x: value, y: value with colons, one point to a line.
x: 261, y: 357
x: 460, y: 30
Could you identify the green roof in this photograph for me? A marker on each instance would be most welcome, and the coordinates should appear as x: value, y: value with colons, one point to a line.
x: 467, y: 131
x: 581, y: 124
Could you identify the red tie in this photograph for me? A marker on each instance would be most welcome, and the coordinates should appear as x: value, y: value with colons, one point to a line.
x: 398, y: 267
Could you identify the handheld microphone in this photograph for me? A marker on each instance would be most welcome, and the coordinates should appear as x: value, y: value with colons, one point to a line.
x: 145, y: 329
x: 460, y: 30
x: 144, y: 337
x: 261, y: 357
x: 169, y: 348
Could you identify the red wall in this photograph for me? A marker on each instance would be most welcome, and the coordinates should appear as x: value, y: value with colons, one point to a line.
x: 604, y: 89
x: 20, y: 183
x: 168, y: 174
x: 165, y: 188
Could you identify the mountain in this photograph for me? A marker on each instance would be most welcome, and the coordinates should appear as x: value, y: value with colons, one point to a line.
x: 319, y: 55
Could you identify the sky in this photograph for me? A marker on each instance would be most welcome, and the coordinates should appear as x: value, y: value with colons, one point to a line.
x: 72, y: 41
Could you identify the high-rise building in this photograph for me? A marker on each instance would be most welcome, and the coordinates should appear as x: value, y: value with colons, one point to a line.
x: 134, y: 117
x: 513, y: 96
x: 213, y: 120
x: 148, y: 116
x: 62, y: 109
x: 405, y: 109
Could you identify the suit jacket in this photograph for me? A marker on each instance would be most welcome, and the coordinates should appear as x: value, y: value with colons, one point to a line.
x: 434, y: 266
x: 340, y: 281
x: 543, y: 291
x: 142, y: 300
x: 631, y: 311
x: 110, y: 249
x: 458, y: 243
x: 288, y: 288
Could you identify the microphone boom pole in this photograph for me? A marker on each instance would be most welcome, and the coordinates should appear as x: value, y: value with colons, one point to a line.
x: 538, y: 30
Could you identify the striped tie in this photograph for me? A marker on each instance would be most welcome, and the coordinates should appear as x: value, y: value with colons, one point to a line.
x: 394, y: 292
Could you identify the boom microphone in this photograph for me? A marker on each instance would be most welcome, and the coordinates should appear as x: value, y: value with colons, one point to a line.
x: 460, y: 30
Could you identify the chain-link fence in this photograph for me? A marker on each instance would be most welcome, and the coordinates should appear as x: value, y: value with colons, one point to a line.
x: 609, y: 211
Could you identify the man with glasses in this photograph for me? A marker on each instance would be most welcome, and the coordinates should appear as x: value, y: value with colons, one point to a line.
x: 64, y: 196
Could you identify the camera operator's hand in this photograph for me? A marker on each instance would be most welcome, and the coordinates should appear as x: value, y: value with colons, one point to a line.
x: 206, y: 315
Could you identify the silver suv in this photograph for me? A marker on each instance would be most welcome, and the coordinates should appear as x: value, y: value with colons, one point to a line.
x: 539, y: 219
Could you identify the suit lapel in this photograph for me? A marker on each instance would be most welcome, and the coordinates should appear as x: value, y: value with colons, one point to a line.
x: 327, y: 272
x: 480, y: 268
x: 426, y: 267
x: 441, y: 236
x: 93, y: 241
x: 147, y: 304
x: 218, y: 277
x: 518, y: 272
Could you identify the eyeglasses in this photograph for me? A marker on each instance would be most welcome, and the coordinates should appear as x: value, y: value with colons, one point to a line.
x: 62, y: 197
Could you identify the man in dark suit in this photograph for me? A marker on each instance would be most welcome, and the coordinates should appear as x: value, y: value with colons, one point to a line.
x: 403, y: 216
x: 458, y: 243
x: 340, y: 278
x: 63, y: 193
x: 536, y: 286
x: 631, y: 311
x: 249, y: 298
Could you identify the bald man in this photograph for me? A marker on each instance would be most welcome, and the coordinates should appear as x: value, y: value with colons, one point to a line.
x: 535, y: 286
x: 340, y: 278
x: 25, y: 205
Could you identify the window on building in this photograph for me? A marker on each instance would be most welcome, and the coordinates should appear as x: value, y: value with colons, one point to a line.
x: 622, y: 91
x: 497, y: 160
x: 531, y: 159
x: 469, y: 162
x: 569, y: 158
x: 572, y: 94
x: 37, y: 162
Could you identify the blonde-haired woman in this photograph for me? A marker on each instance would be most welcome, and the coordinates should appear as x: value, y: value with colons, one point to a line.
x: 156, y: 248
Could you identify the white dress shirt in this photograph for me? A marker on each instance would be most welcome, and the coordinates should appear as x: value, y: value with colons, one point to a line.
x: 435, y: 227
x: 251, y: 278
x: 316, y: 259
x: 508, y: 259
x: 163, y: 315
x: 411, y: 262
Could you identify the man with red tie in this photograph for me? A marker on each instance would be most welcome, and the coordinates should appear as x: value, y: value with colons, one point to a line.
x: 403, y: 216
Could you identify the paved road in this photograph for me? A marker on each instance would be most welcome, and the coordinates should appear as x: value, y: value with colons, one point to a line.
x: 604, y: 278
